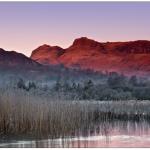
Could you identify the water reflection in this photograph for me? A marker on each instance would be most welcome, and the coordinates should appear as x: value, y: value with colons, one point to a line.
x: 106, y: 134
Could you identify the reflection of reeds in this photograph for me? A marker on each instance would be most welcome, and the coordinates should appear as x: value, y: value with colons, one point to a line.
x: 23, y: 113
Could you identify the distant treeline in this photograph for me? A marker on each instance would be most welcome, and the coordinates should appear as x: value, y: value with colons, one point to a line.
x: 111, y: 86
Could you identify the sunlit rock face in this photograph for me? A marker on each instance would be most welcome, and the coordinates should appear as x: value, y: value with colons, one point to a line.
x: 131, y: 57
x: 46, y: 54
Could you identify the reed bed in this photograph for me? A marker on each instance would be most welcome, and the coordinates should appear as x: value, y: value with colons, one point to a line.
x: 23, y: 114
x: 26, y: 114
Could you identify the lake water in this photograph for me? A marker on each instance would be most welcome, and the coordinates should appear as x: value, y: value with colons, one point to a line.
x: 116, y: 134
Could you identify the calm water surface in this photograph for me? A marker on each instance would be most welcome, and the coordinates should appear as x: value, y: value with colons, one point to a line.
x: 116, y: 134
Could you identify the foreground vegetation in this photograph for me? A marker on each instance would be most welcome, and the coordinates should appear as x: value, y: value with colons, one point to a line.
x: 26, y: 114
x: 65, y: 107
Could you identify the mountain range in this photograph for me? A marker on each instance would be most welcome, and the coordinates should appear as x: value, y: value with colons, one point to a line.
x: 129, y: 58
x: 12, y: 59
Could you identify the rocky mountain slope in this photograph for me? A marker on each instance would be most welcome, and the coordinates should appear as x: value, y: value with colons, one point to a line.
x: 124, y: 57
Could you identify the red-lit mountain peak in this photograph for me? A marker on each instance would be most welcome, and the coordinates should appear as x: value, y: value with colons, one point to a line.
x: 131, y: 57
x: 46, y: 54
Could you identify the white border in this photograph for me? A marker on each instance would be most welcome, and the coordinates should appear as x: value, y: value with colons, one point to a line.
x: 75, y: 1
